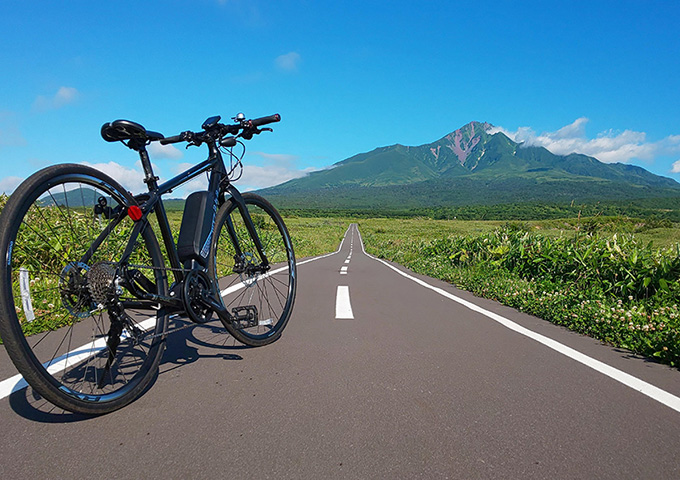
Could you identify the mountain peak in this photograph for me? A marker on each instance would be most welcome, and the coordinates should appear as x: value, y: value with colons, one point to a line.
x: 462, y: 141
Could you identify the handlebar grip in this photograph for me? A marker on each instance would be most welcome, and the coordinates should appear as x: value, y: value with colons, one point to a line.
x: 265, y: 120
x: 175, y: 139
x: 182, y: 137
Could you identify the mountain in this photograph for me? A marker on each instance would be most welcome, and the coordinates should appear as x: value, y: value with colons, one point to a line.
x: 466, y: 167
x: 75, y: 198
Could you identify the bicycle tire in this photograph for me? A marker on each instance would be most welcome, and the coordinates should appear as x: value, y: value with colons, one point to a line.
x: 47, y: 229
x: 272, y: 293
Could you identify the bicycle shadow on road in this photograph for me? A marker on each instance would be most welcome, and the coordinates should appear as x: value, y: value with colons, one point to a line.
x: 183, y: 347
x: 30, y: 405
x: 186, y: 346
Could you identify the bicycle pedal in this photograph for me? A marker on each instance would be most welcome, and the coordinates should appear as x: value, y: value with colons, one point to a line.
x: 244, y: 316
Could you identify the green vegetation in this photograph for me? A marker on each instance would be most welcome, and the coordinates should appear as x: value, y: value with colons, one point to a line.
x: 472, y: 194
x: 315, y: 236
x: 650, y: 210
x: 616, y: 287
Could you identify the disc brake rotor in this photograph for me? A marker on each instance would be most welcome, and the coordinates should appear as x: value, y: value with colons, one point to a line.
x: 249, y: 274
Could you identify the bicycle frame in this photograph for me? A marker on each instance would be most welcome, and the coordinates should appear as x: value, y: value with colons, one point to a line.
x: 218, y: 186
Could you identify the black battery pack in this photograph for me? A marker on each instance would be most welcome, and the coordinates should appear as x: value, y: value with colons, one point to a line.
x: 195, y: 233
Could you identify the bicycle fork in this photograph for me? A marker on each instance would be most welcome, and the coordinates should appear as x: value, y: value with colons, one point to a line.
x: 250, y: 227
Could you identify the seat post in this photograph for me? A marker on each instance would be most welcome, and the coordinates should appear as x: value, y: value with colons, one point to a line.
x: 149, y: 177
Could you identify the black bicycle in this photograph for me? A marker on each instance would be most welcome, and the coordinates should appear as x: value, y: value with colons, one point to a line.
x: 87, y: 292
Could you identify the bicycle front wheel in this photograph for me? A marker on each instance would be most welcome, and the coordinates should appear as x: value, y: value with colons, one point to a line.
x: 68, y: 320
x: 259, y: 297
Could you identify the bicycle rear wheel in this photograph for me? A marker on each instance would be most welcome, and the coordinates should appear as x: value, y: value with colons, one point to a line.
x: 68, y: 319
x: 260, y: 299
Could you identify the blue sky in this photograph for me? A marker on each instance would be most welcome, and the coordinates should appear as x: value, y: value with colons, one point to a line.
x: 597, y: 77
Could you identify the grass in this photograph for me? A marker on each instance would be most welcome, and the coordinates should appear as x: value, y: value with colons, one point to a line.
x: 315, y: 236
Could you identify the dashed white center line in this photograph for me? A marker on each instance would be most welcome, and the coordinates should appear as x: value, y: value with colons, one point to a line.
x: 343, y: 271
x: 343, y: 308
x: 347, y: 261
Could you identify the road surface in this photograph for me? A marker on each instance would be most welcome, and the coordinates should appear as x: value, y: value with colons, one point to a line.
x: 381, y: 373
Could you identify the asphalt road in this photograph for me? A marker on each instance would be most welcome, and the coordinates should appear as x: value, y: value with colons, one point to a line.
x: 378, y: 375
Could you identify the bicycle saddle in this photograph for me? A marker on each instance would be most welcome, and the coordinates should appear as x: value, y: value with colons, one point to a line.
x: 126, y: 130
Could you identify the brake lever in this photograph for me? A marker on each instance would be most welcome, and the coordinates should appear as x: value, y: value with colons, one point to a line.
x: 248, y: 133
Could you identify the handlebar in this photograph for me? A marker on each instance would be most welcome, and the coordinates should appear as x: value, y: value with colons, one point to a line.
x: 244, y: 129
x: 175, y: 139
x: 265, y: 120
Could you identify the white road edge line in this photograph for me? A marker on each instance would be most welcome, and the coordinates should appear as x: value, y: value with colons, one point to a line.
x: 17, y: 382
x: 628, y: 380
x: 343, y: 308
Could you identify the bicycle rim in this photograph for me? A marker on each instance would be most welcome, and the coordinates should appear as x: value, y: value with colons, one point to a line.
x: 62, y: 272
x: 265, y: 297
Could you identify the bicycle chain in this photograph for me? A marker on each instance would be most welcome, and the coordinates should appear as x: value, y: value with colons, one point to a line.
x: 178, y: 329
x: 149, y: 267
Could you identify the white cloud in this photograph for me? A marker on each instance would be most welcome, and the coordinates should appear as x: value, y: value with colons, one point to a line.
x: 288, y: 62
x: 164, y: 151
x: 276, y: 168
x: 64, y: 96
x: 609, y: 146
x: 9, y: 184
x: 675, y: 168
x: 256, y: 177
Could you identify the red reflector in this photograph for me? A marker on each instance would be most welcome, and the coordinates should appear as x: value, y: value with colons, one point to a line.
x: 134, y: 212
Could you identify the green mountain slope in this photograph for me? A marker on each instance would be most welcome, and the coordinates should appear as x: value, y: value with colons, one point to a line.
x: 467, y: 167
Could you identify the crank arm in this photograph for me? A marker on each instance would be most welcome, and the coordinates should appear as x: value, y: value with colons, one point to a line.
x: 216, y: 307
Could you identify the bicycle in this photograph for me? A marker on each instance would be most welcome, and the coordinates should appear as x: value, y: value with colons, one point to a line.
x: 83, y: 267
